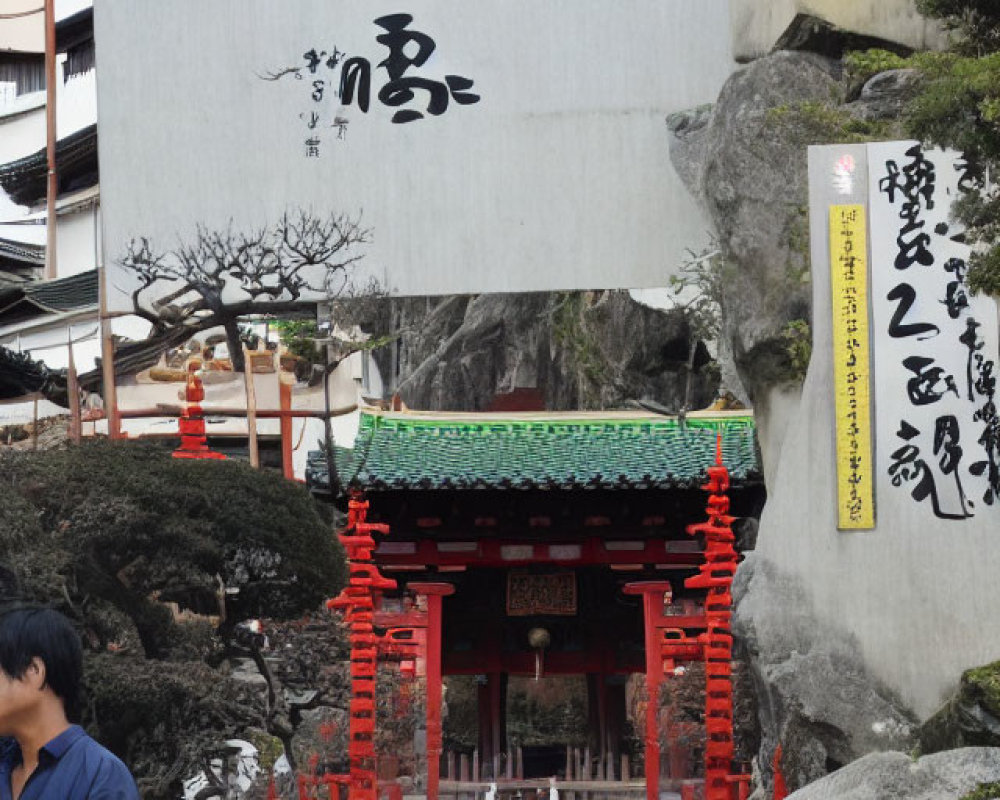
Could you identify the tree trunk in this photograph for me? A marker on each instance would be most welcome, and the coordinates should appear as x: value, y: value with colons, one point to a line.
x: 235, y: 345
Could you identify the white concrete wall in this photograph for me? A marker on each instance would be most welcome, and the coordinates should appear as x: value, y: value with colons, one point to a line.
x: 918, y: 593
x: 757, y: 24
x: 24, y: 34
x: 76, y: 242
x: 559, y: 177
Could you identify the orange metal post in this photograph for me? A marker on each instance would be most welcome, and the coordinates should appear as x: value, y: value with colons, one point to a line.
x: 435, y: 594
x: 285, y: 402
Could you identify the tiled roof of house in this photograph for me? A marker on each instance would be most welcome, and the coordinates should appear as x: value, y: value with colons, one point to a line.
x: 25, y: 179
x: 609, y: 451
x: 41, y: 298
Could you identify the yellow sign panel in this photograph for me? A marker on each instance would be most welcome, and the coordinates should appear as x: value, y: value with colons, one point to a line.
x: 851, y: 367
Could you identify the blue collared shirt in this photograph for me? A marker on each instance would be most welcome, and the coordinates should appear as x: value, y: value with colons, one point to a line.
x: 72, y: 766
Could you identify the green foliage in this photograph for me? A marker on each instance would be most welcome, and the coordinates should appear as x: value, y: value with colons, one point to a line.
x: 975, y: 24
x: 984, y: 791
x: 797, y: 337
x: 120, y: 522
x: 569, y: 330
x: 299, y: 337
x: 702, y: 278
x: 985, y: 682
x: 812, y: 122
x: 547, y: 712
x: 163, y: 719
x: 105, y: 530
x: 958, y: 106
x: 860, y: 65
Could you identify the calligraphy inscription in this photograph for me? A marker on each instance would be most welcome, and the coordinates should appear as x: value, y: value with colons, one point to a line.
x: 942, y: 378
x: 851, y: 370
x: 334, y: 78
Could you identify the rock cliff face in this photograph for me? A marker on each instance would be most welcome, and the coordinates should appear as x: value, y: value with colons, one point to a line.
x: 954, y: 775
x: 589, y: 350
x: 814, y: 694
x: 744, y: 159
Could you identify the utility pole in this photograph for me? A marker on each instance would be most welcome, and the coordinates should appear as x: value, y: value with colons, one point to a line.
x: 50, y: 147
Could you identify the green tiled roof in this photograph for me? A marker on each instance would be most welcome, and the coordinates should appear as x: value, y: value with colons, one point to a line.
x: 401, y: 452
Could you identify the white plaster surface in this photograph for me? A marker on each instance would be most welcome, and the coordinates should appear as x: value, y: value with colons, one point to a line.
x: 919, y: 594
x: 558, y: 178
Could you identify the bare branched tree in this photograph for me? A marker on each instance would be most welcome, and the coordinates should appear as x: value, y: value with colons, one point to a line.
x: 226, y: 274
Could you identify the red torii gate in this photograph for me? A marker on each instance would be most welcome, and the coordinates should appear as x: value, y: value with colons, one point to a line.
x: 414, y: 635
x: 666, y: 643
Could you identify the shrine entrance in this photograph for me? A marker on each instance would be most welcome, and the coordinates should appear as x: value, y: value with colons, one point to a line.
x: 534, y: 541
x: 550, y: 649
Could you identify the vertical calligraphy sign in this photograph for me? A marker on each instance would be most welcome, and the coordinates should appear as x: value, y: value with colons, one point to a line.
x: 851, y: 372
x: 935, y: 345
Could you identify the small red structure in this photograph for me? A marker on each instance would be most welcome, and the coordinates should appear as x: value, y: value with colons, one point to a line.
x: 356, y: 600
x: 716, y: 575
x: 780, y: 789
x: 194, y: 443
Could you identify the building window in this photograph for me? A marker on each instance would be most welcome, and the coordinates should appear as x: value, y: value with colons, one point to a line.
x: 25, y: 70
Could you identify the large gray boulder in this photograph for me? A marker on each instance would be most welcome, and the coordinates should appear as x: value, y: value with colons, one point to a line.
x: 744, y: 161
x: 815, y: 698
x: 582, y: 350
x: 950, y: 775
x: 750, y: 177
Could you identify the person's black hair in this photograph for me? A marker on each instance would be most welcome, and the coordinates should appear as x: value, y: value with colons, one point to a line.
x: 38, y: 632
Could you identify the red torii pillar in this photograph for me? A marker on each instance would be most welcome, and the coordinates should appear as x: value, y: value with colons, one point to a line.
x: 652, y: 593
x: 435, y: 594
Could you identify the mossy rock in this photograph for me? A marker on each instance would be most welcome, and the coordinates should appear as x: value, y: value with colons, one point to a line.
x: 984, y: 791
x: 969, y: 719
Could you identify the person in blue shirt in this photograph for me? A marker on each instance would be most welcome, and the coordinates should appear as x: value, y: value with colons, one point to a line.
x: 44, y: 756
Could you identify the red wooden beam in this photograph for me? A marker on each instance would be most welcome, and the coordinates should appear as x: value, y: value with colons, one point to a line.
x: 490, y: 553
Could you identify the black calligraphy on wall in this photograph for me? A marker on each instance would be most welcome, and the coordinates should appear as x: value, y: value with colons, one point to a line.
x: 334, y: 81
x: 937, y: 370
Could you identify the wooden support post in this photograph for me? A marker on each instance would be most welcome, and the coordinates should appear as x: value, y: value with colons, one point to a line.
x: 652, y: 593
x: 73, y: 392
x: 52, y: 184
x: 435, y: 594
x: 449, y: 766
x: 476, y: 774
x: 285, y: 403
x: 569, y: 763
x: 251, y: 409
x: 497, y: 726
x: 485, y: 708
x: 108, y: 384
x: 626, y: 768
x: 519, y: 763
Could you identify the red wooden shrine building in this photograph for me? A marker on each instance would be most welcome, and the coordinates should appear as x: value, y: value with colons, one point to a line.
x: 543, y: 541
